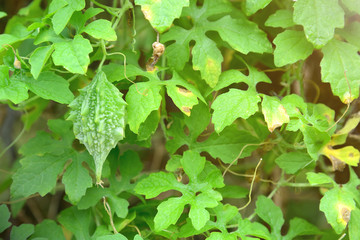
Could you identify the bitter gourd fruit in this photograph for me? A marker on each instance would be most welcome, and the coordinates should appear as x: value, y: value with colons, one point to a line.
x: 98, y: 115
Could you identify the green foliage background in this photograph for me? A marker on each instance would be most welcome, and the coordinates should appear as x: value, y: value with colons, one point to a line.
x: 244, y: 127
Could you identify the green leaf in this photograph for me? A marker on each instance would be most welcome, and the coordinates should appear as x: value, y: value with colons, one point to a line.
x: 352, y: 5
x: 21, y: 232
x: 61, y: 18
x: 193, y: 164
x: 79, y: 19
x: 314, y: 140
x: 207, y: 59
x: 224, y: 214
x: 101, y: 29
x: 130, y: 165
x: 319, y: 178
x: 56, y: 5
x: 7, y: 39
x: 168, y: 213
x: 351, y: 33
x: 73, y: 55
x: 233, y: 191
x: 4, y: 220
x: 227, y: 145
x: 138, y: 237
x: 291, y: 46
x: 242, y: 35
x: 98, y: 114
x: 78, y: 5
x: 48, y: 229
x: 161, y: 14
x: 12, y: 88
x: 76, y: 179
x: 149, y: 127
x: 221, y: 236
x: 37, y: 174
x: 198, y: 121
x: 63, y: 12
x: 245, y: 227
x: 77, y: 221
x: 229, y: 77
x: 3, y: 14
x: 117, y: 236
x: 142, y: 99
x: 173, y: 163
x: 339, y: 67
x: 300, y: 227
x: 337, y: 204
x: 43, y: 143
x: 318, y: 28
x: 51, y: 86
x: 252, y: 6
x: 274, y: 112
x: 354, y: 231
x: 119, y: 206
x: 232, y: 105
x: 281, y: 18
x: 271, y: 214
x: 212, y: 176
x: 177, y: 54
x: 39, y: 58
x: 198, y: 215
x: 155, y: 184
x: 293, y: 161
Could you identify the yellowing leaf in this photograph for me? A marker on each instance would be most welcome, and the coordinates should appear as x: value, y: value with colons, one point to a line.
x: 348, y: 155
x: 274, y: 112
x: 183, y: 98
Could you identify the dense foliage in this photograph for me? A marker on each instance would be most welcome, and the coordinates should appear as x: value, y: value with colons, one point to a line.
x: 176, y: 119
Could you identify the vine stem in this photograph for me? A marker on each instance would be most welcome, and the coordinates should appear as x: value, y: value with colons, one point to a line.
x: 125, y: 75
x: 240, y: 153
x: 16, y: 139
x: 251, y: 186
x: 122, y: 10
x: 108, y: 210
x: 103, y: 48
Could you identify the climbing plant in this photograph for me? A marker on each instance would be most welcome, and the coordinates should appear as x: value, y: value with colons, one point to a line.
x: 182, y: 119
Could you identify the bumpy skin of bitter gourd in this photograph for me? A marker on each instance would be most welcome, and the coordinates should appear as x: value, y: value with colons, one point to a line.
x: 98, y: 114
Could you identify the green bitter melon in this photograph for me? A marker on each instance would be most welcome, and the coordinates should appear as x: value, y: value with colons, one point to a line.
x: 98, y: 114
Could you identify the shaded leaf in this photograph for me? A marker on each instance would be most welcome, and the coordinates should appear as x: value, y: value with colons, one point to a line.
x: 293, y: 161
x: 39, y: 58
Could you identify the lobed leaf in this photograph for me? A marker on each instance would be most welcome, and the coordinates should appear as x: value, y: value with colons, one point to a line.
x: 339, y: 68
x: 161, y: 14
x: 73, y: 55
x: 319, y: 29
